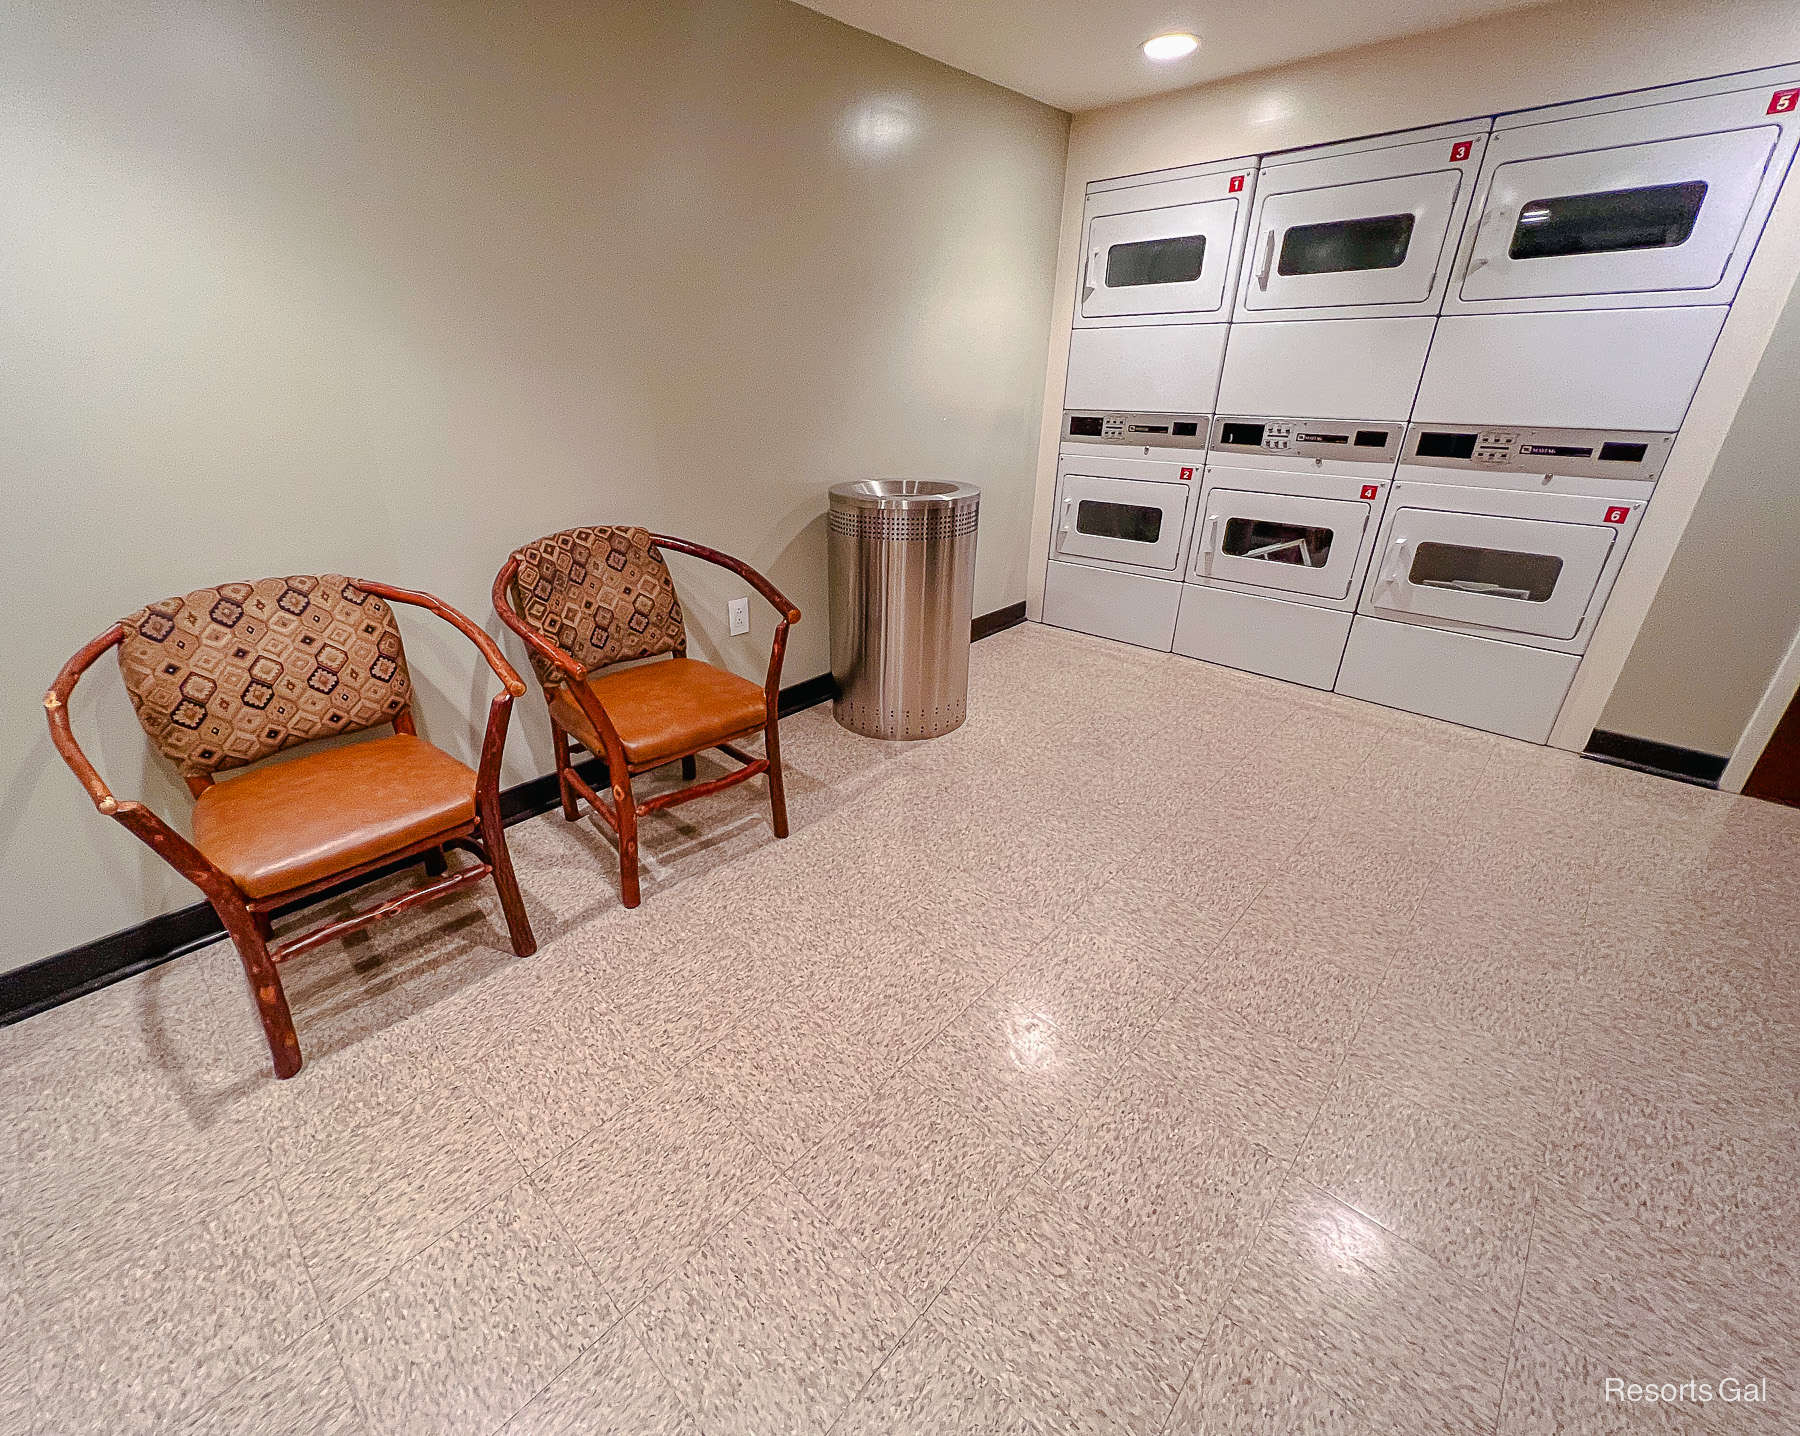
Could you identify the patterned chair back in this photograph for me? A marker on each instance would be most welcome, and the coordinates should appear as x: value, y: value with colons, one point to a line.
x: 222, y: 677
x: 602, y: 595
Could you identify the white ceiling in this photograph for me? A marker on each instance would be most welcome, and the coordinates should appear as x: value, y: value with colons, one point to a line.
x: 1079, y: 54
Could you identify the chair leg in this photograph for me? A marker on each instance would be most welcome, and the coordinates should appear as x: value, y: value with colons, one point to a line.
x: 628, y: 840
x: 435, y: 866
x: 561, y: 740
x: 493, y: 838
x: 250, y: 936
x: 690, y: 770
x: 777, y: 793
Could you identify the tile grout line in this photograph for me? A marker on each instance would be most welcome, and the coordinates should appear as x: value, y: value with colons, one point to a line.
x: 1512, y: 1336
x: 1293, y: 1163
x: 1001, y: 1212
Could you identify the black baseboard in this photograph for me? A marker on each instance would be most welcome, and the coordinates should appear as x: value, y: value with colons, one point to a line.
x: 1664, y: 760
x: 986, y: 625
x: 51, y: 981
x: 808, y: 693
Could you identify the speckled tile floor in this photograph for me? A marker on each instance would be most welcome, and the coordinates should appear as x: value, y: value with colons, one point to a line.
x: 1168, y: 1050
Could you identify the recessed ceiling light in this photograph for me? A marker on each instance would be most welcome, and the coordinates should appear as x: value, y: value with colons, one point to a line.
x: 1172, y: 46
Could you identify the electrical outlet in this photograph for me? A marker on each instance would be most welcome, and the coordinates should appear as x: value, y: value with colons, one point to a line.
x: 738, y: 611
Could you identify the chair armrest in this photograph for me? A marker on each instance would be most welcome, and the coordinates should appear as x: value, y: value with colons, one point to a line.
x: 56, y: 710
x: 493, y: 741
x: 176, y: 850
x: 535, y: 641
x: 777, y: 599
x: 490, y: 650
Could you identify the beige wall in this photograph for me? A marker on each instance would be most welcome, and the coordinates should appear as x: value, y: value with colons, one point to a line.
x: 1524, y: 58
x: 293, y: 286
x: 1727, y: 609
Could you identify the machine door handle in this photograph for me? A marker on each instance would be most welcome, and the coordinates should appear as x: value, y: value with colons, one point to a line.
x: 1092, y: 282
x: 1395, y: 563
x: 1068, y: 506
x: 1268, y: 262
x: 1210, y: 543
x: 1488, y: 222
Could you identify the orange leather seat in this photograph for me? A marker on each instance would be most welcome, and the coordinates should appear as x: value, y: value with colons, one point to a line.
x: 288, y: 824
x: 665, y: 709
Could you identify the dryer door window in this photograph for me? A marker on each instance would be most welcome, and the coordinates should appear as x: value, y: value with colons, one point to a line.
x: 1515, y: 575
x: 1178, y: 260
x: 1663, y: 215
x: 1291, y: 543
x: 1159, y: 261
x: 1130, y: 521
x: 1370, y: 242
x: 1342, y: 246
x: 1650, y: 217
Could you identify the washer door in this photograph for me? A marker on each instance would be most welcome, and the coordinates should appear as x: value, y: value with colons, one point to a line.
x: 1514, y: 575
x: 1288, y: 543
x: 1171, y: 260
x: 1129, y: 521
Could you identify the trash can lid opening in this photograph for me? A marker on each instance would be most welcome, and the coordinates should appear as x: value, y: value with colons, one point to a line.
x: 889, y: 491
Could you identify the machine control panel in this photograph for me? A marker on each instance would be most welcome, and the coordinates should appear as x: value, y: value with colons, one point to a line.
x: 1157, y: 431
x: 1364, y: 443
x: 1575, y: 453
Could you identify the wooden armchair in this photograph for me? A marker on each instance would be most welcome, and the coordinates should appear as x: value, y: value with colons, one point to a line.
x: 588, y: 598
x: 223, y: 677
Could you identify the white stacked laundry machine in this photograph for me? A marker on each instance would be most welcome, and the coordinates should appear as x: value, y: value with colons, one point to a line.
x: 1610, y: 239
x: 1457, y: 363
x: 1161, y: 256
x: 1348, y: 257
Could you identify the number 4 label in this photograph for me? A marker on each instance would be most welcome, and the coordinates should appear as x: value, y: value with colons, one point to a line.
x: 1784, y: 102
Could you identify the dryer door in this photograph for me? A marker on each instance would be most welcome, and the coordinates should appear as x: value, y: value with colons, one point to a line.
x: 1509, y: 574
x: 1375, y: 241
x: 1128, y: 521
x: 1168, y: 260
x: 1663, y: 215
x: 1290, y: 543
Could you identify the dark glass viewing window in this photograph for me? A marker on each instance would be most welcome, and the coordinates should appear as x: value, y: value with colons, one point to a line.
x: 1155, y: 261
x: 1134, y: 523
x: 1658, y: 216
x: 1495, y: 572
x: 1272, y: 542
x: 1346, y: 244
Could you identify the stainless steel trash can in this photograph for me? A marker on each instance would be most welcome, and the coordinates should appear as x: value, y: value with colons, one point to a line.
x: 902, y: 594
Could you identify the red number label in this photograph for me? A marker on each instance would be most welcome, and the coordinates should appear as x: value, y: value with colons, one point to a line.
x: 1237, y: 183
x: 1784, y: 102
x: 1371, y: 491
x: 1617, y: 515
x: 1461, y: 150
x: 1187, y: 475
